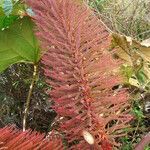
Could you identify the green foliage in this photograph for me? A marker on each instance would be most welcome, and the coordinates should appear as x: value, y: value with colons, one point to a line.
x: 127, y: 145
x: 147, y: 148
x: 97, y: 3
x: 127, y: 17
x: 5, y: 21
x: 141, y: 77
x: 11, y: 7
x: 127, y: 71
x: 17, y: 40
x: 18, y: 44
x: 138, y: 127
x: 137, y: 110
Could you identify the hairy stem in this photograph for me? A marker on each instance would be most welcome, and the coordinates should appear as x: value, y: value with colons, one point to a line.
x: 29, y: 97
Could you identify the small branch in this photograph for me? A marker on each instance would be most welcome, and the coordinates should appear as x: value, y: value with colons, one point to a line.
x: 29, y: 97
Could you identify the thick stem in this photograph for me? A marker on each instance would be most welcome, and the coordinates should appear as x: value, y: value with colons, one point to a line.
x: 29, y: 98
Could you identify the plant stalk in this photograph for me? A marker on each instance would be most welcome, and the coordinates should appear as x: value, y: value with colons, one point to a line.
x: 29, y: 97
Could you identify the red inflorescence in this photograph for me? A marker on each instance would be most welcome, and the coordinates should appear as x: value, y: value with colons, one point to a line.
x: 82, y: 73
x: 14, y: 139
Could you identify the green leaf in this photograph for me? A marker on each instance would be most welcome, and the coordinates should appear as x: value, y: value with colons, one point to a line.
x: 141, y: 76
x: 127, y: 71
x: 6, y: 64
x: 1, y: 3
x: 7, y: 21
x: 7, y: 7
x: 138, y: 113
x: 147, y: 148
x: 18, y: 44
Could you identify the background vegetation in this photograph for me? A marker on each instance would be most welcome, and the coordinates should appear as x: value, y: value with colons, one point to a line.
x: 131, y: 18
x: 19, y: 46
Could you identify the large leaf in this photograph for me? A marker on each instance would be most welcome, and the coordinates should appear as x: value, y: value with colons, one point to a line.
x: 18, y: 44
x: 1, y: 3
x: 5, y: 21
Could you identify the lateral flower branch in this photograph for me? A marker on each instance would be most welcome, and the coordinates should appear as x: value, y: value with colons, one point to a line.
x: 82, y: 73
x: 14, y: 139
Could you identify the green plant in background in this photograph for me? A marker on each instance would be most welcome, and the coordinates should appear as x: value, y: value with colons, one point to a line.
x: 138, y: 127
x: 131, y: 18
x: 97, y: 3
x: 136, y: 58
x: 10, y: 10
x: 127, y: 145
x: 147, y: 148
x: 136, y: 69
x: 17, y: 42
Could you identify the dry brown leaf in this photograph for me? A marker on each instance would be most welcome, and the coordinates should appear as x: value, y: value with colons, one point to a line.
x: 126, y: 46
x: 134, y: 53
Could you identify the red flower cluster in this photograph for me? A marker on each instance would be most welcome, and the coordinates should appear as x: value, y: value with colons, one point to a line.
x: 82, y: 74
x: 14, y: 139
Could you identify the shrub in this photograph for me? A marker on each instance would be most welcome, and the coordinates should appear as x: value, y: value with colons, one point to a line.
x: 81, y: 72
